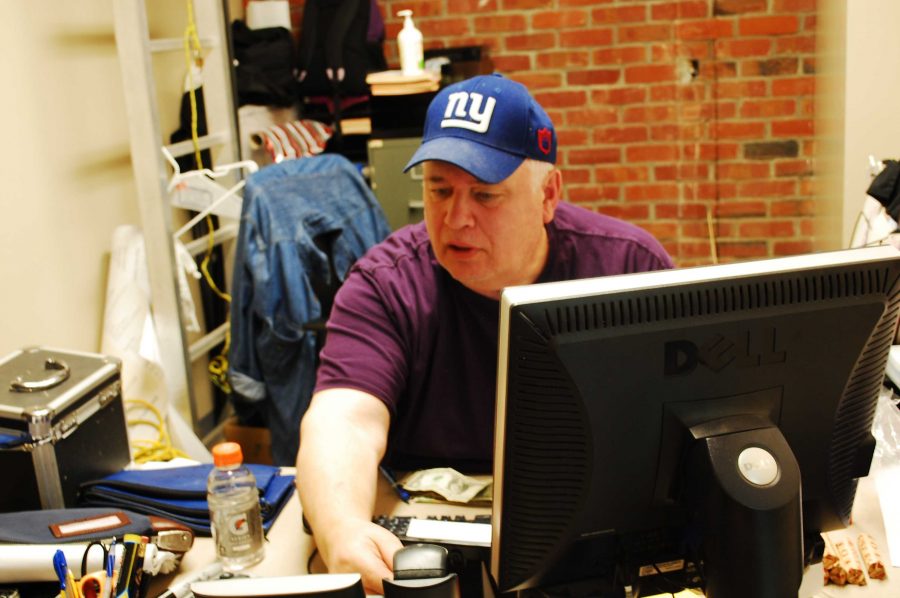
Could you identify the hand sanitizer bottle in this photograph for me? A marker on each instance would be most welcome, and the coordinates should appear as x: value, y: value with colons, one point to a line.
x: 409, y: 42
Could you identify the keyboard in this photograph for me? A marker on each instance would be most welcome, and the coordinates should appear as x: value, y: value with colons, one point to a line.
x: 468, y: 537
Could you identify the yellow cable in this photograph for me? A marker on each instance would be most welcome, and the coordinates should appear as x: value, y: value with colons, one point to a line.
x: 160, y: 449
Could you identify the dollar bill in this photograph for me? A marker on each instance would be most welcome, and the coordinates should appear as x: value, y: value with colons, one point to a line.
x: 447, y: 483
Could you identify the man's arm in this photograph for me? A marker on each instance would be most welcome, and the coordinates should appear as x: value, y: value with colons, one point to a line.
x: 343, y: 437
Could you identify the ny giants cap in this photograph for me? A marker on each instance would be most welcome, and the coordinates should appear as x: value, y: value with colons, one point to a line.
x: 486, y: 125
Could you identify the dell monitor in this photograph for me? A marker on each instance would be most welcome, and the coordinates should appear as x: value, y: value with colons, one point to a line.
x: 720, y: 414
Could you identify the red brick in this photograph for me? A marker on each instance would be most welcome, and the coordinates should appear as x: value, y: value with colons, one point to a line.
x: 499, y: 23
x: 563, y: 60
x: 571, y: 137
x: 567, y: 3
x: 704, y: 29
x: 559, y: 19
x: 652, y: 73
x: 795, y: 86
x: 769, y: 25
x: 537, y: 80
x: 534, y: 41
x: 621, y: 174
x: 651, y: 153
x: 595, y: 156
x: 525, y: 4
x: 620, y: 55
x: 793, y: 168
x: 739, y: 130
x: 681, y: 211
x: 667, y: 11
x: 467, y: 7
x: 576, y: 175
x: 740, y: 209
x: 770, y: 67
x: 643, y: 33
x: 593, y: 77
x: 661, y: 231
x: 794, y: 5
x: 776, y: 188
x: 649, y: 114
x: 792, y: 128
x: 711, y: 151
x: 741, y: 89
x: 560, y: 99
x: 805, y: 44
x: 513, y: 62
x: 739, y: 48
x: 620, y: 135
x: 743, y: 171
x: 742, y: 249
x: 694, y: 250
x: 629, y: 212
x: 619, y: 14
x: 576, y: 38
x: 592, y: 116
x: 619, y: 95
x: 793, y: 247
x: 442, y: 27
x: 768, y: 108
x: 651, y: 192
x: 794, y: 207
x: 731, y: 7
x: 593, y: 193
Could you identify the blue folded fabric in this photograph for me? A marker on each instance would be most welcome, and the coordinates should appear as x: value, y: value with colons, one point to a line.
x: 179, y: 493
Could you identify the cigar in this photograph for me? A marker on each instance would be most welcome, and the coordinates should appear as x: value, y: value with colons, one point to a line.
x: 868, y: 550
x: 850, y: 563
x: 831, y: 564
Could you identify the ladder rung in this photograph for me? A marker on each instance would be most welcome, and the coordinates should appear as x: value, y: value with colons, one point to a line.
x: 171, y: 44
x: 204, y: 344
x: 186, y: 147
x: 222, y: 234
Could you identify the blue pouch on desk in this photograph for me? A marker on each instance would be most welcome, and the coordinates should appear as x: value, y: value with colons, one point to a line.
x: 179, y: 493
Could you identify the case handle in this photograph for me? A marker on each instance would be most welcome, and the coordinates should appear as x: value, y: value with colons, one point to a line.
x: 52, y: 365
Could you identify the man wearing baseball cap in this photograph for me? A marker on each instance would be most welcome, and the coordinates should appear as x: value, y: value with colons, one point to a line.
x: 408, y: 371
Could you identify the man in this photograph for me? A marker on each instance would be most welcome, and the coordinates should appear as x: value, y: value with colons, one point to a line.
x: 408, y: 371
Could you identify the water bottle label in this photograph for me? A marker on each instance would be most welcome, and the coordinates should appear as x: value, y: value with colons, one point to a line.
x: 238, y: 525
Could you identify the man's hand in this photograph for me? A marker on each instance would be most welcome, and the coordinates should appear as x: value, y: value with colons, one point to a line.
x: 360, y: 547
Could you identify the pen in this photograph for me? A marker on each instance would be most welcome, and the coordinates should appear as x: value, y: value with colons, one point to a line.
x: 110, y: 567
x: 400, y: 490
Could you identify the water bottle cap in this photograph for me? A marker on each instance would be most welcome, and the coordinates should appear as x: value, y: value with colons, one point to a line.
x: 227, y: 453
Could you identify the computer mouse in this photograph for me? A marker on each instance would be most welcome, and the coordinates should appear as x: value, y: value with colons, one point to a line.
x: 420, y: 561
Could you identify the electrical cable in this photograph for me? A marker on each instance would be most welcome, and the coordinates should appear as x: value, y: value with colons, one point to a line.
x: 160, y: 449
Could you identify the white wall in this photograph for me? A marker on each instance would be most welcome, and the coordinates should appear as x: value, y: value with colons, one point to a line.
x: 66, y: 173
x: 872, y: 97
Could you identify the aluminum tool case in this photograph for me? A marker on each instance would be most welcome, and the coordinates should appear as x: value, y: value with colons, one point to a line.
x: 62, y: 423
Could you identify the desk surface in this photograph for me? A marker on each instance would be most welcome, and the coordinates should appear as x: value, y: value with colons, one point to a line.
x: 288, y: 548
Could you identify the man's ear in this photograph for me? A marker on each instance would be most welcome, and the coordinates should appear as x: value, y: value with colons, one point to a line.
x: 552, y: 194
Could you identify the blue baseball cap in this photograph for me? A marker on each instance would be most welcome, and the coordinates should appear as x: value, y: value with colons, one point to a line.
x: 487, y: 125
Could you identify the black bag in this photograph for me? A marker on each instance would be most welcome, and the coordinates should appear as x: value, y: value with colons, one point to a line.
x: 265, y: 63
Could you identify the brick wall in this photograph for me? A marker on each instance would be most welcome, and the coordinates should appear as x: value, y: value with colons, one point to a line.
x: 691, y: 118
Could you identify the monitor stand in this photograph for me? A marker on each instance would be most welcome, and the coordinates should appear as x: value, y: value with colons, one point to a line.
x: 744, y: 496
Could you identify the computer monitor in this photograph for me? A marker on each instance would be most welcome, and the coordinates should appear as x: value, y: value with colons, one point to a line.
x: 717, y: 413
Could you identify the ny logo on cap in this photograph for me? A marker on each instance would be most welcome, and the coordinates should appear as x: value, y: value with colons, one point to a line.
x: 466, y: 108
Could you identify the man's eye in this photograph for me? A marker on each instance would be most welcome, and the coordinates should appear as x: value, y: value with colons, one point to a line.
x: 439, y: 192
x: 485, y: 197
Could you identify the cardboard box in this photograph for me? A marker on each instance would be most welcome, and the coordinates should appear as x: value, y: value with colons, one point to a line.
x: 256, y: 443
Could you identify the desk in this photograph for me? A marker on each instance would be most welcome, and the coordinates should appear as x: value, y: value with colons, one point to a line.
x: 289, y: 547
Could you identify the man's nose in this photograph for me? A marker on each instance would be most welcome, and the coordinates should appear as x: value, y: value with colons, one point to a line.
x: 459, y: 211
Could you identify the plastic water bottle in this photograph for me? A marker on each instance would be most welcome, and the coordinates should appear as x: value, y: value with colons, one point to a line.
x: 234, y: 513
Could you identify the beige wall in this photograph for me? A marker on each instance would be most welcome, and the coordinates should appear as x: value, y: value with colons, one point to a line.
x: 66, y: 174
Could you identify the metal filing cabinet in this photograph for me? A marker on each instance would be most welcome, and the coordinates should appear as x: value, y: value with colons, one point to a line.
x: 399, y: 193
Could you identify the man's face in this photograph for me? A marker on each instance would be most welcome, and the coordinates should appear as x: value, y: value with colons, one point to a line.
x: 490, y: 236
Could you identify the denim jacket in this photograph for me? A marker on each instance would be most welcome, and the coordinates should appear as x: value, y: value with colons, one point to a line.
x: 286, y: 206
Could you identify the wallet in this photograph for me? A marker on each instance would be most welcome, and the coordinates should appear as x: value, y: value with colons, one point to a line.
x: 179, y: 493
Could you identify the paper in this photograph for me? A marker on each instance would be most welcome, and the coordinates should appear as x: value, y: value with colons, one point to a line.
x: 887, y: 482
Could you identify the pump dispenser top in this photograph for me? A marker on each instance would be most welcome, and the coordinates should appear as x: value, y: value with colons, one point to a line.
x: 409, y: 43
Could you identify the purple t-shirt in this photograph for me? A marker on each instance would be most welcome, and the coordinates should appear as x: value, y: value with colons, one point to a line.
x: 403, y: 330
